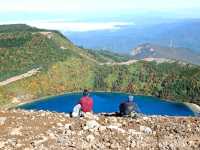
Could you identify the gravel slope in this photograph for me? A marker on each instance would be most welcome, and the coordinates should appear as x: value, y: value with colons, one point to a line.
x: 51, y: 131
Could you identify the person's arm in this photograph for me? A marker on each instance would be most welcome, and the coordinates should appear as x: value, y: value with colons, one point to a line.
x: 92, y: 105
x: 80, y: 102
x: 136, y: 107
x: 92, y: 102
x: 122, y: 108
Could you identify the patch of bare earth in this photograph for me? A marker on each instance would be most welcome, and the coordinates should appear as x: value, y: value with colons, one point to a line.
x: 19, y: 77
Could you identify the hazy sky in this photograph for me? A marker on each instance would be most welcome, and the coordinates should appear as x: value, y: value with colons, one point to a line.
x: 94, y: 5
x: 22, y: 11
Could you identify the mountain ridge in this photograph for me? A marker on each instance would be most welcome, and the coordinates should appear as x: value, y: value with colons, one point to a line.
x: 156, y: 51
x: 182, y: 33
x: 65, y: 67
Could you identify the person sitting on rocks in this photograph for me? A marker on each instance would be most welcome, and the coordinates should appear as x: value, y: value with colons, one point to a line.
x: 86, y: 102
x: 127, y: 108
x: 85, y: 105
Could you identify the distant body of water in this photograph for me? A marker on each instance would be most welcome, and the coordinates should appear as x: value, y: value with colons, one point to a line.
x: 109, y: 102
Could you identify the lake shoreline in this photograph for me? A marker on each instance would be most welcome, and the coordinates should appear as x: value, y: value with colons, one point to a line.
x: 77, y: 92
x: 60, y: 94
x: 194, y: 107
x: 118, y: 98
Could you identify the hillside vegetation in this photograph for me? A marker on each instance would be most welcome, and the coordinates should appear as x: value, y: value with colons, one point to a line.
x: 166, y: 80
x: 67, y: 68
x: 107, y: 56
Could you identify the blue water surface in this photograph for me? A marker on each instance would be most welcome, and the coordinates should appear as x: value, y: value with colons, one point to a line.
x: 109, y: 102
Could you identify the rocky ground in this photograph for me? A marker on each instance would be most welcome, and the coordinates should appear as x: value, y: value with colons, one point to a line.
x: 23, y: 130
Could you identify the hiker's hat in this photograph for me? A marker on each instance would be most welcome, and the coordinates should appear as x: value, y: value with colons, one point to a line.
x: 130, y: 98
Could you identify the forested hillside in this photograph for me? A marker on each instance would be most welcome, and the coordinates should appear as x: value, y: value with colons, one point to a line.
x: 166, y: 80
x: 67, y: 68
x: 107, y: 56
x: 23, y: 48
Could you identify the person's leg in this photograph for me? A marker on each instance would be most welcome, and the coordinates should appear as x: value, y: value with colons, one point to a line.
x: 76, y: 111
x: 81, y: 114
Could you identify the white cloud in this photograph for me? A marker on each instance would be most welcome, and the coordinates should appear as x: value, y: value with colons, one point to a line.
x: 60, y: 24
x: 79, y: 26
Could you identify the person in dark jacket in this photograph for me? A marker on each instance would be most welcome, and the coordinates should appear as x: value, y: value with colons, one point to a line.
x: 126, y: 108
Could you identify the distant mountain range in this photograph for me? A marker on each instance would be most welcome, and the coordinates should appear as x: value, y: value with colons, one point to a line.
x: 155, y: 51
x: 178, y: 34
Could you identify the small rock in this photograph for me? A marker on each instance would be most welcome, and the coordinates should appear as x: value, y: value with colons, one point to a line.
x: 117, y: 124
x: 133, y: 144
x: 19, y: 145
x: 113, y: 120
x: 80, y: 133
x: 91, y: 124
x: 59, y: 124
x: 67, y: 115
x: 90, y: 138
x: 146, y: 118
x: 134, y: 115
x: 72, y: 127
x: 15, y: 100
x: 146, y: 130
x: 12, y: 141
x: 91, y: 116
x: 107, y: 144
x: 102, y: 128
x: 113, y: 146
x: 40, y: 141
x: 67, y: 126
x: 2, y: 120
x: 134, y: 132
x: 52, y: 136
x: 2, y: 144
x: 15, y: 131
x: 43, y: 114
x: 116, y: 128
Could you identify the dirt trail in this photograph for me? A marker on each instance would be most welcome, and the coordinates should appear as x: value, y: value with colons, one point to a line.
x: 19, y: 77
x: 158, y: 60
x: 35, y: 71
x: 119, y: 63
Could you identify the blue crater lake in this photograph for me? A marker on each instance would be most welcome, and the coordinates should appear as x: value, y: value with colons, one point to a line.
x: 109, y: 102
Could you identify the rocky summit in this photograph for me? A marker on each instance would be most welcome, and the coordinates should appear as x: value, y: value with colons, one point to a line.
x: 29, y: 130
